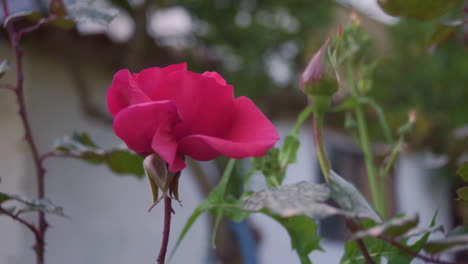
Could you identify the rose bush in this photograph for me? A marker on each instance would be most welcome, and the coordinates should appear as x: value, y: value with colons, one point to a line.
x: 174, y: 112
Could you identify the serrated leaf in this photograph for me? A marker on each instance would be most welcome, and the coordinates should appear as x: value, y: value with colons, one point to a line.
x: 463, y: 171
x: 393, y: 228
x: 303, y: 233
x: 91, y: 11
x: 4, y: 67
x: 302, y: 198
x: 449, y: 244
x: 350, y: 199
x: 440, y: 33
x: 270, y: 167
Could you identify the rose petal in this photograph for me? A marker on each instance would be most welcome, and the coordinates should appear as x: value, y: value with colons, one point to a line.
x: 204, y: 105
x: 215, y: 76
x: 136, y: 125
x: 124, y: 91
x: 251, y: 135
x: 149, y: 79
x: 165, y: 144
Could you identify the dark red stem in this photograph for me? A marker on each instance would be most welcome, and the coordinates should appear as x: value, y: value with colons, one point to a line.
x: 15, y: 37
x: 23, y: 222
x: 364, y: 252
x: 167, y: 228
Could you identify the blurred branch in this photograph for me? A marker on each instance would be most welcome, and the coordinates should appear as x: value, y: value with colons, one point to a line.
x: 23, y: 222
x: 15, y: 38
x: 7, y: 86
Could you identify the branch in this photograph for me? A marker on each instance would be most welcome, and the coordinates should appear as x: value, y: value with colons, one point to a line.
x: 364, y: 252
x: 7, y: 86
x: 354, y: 226
x: 410, y: 252
x: 59, y: 154
x: 23, y: 222
x: 15, y: 37
x: 41, y: 22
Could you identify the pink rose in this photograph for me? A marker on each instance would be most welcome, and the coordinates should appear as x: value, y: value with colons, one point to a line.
x: 174, y: 112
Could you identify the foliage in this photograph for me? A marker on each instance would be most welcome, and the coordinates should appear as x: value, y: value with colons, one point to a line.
x: 119, y: 161
x: 27, y: 205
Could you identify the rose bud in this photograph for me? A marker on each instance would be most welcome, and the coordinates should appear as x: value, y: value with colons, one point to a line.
x: 318, y: 81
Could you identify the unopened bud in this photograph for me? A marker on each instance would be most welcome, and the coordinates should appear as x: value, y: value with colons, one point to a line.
x: 317, y: 81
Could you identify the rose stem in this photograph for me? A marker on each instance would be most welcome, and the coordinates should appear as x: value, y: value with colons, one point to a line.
x: 167, y: 229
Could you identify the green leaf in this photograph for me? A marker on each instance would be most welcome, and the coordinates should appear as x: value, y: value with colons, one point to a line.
x: 440, y: 33
x: 214, y: 201
x: 449, y: 244
x: 419, y: 9
x: 86, y: 10
x: 459, y: 230
x: 462, y: 194
x: 289, y: 150
x: 393, y: 228
x: 196, y: 213
x: 125, y: 162
x: 376, y: 248
x: 302, y: 198
x: 395, y: 255
x: 30, y: 204
x: 350, y: 199
x: 303, y: 233
x: 125, y: 5
x: 463, y: 171
x: 270, y: 167
x: 4, y: 197
x: 347, y: 104
x: 4, y: 67
x: 119, y: 161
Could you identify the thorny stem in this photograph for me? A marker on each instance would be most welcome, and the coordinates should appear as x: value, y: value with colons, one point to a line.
x: 319, y: 146
x: 15, y: 37
x: 379, y: 201
x: 22, y: 221
x: 167, y: 228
